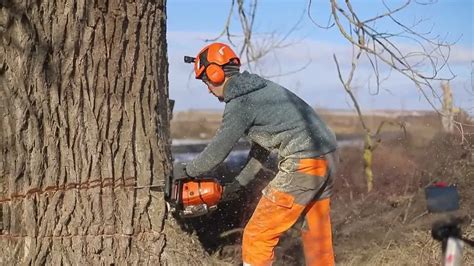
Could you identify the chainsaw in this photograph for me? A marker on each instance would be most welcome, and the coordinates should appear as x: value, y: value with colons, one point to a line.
x: 192, y: 197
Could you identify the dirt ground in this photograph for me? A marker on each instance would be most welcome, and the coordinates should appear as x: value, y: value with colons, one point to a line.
x: 388, y: 226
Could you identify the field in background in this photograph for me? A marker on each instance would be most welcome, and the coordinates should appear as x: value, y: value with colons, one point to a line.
x: 388, y: 226
x: 202, y: 124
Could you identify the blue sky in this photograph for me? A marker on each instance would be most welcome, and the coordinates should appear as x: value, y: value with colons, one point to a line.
x: 191, y: 22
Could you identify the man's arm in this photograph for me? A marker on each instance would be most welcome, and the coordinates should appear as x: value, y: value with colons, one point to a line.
x: 234, y: 124
x: 257, y: 156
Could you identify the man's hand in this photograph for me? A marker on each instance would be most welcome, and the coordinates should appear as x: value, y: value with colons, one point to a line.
x: 179, y: 171
x: 231, y: 190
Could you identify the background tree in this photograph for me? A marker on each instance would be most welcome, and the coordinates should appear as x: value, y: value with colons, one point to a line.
x: 84, y: 114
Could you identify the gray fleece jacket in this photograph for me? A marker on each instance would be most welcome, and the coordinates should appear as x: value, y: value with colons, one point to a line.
x: 270, y: 116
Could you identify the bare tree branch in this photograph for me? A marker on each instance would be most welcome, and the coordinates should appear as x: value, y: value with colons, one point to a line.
x: 380, y: 45
x: 226, y: 30
x: 328, y: 25
x: 389, y: 13
x: 347, y: 85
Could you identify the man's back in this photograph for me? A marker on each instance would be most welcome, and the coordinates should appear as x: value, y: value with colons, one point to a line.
x: 281, y: 120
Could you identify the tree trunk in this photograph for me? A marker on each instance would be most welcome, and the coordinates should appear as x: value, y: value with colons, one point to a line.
x: 447, y: 117
x: 84, y: 132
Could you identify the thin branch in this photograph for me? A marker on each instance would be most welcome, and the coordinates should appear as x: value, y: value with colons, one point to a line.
x: 347, y: 86
x: 226, y: 26
x: 291, y: 71
x: 329, y: 24
x: 389, y: 13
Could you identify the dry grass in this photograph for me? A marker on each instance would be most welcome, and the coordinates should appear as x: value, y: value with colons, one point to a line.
x: 392, y: 226
x: 418, y: 248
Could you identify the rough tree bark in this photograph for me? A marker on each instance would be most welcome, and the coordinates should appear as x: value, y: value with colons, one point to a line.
x: 84, y: 131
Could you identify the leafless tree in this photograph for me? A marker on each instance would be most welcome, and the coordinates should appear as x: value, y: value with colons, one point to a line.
x: 426, y: 64
x: 421, y: 64
x: 255, y: 47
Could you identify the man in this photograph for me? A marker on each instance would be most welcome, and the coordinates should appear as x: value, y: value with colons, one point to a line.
x: 273, y: 118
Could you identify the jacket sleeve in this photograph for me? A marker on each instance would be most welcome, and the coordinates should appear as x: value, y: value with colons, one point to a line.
x: 257, y: 156
x: 235, y: 122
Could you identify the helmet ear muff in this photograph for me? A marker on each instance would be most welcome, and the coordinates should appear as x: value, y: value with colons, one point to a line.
x: 215, y: 74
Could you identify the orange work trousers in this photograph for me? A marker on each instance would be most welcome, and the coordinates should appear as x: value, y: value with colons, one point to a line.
x: 280, y: 208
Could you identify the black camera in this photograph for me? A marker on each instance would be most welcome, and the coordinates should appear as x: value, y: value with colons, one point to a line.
x: 189, y: 59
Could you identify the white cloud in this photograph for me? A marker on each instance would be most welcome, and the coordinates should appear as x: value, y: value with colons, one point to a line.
x: 318, y: 83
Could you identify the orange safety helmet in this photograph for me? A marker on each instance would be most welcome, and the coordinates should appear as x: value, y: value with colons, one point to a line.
x: 210, y: 61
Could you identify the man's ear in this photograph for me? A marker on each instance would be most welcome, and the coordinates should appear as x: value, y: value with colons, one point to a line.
x: 214, y: 85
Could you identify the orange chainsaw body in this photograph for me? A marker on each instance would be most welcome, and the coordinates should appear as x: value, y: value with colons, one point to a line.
x: 193, y: 197
x: 207, y: 192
